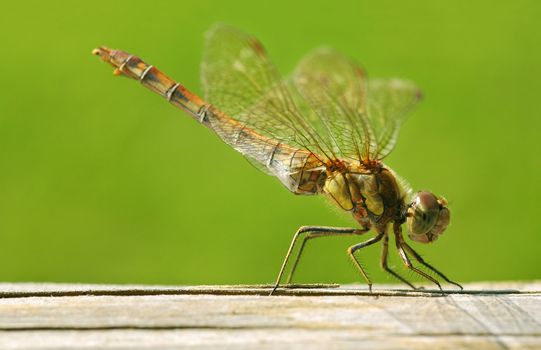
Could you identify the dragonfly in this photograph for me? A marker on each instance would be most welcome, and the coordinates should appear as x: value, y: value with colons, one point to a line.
x: 323, y: 130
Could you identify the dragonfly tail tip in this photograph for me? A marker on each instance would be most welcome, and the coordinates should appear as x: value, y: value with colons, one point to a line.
x: 103, y: 52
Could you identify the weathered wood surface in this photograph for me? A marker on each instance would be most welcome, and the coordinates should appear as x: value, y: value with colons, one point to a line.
x: 484, y: 316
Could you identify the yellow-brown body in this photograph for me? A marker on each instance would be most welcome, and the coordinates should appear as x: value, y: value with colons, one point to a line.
x: 365, y: 188
x: 370, y: 193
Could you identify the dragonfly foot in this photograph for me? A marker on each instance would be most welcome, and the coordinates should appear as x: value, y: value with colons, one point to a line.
x: 273, y: 290
x: 457, y: 285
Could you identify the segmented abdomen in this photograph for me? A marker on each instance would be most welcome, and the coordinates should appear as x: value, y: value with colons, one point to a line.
x: 301, y: 171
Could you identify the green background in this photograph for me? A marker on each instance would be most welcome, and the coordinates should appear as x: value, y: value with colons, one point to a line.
x: 102, y: 181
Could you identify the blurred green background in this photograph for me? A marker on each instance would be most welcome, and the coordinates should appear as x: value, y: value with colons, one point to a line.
x: 103, y: 181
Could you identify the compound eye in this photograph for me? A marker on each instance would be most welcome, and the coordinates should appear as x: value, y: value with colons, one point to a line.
x: 427, y: 217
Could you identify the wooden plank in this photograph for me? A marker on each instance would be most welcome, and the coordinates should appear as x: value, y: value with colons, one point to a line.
x: 485, y: 316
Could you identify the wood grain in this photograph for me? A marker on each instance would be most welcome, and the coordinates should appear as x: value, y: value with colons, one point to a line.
x: 484, y: 316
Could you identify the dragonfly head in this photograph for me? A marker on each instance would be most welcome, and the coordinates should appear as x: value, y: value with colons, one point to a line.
x: 427, y: 217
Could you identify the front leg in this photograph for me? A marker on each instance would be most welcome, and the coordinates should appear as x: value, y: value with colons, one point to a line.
x: 423, y: 262
x: 399, y: 240
x: 385, y: 266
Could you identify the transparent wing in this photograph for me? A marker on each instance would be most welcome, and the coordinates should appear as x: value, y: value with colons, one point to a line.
x: 240, y: 80
x: 335, y: 88
x: 328, y: 107
x: 360, y: 118
x: 388, y: 104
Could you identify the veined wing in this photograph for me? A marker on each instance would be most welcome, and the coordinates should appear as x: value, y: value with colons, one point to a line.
x: 389, y: 103
x: 335, y: 88
x: 254, y: 111
x: 328, y: 108
x: 240, y: 80
x: 359, y: 118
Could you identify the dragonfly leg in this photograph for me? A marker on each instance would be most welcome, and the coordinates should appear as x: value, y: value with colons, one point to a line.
x: 313, y: 234
x: 309, y: 232
x: 423, y: 262
x: 399, y: 241
x: 384, y: 266
x: 353, y: 249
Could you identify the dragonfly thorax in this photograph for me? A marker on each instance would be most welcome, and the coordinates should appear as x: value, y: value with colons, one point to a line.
x: 373, y: 196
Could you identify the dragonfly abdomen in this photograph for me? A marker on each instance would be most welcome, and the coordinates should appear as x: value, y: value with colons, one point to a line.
x: 149, y: 76
x: 299, y: 170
